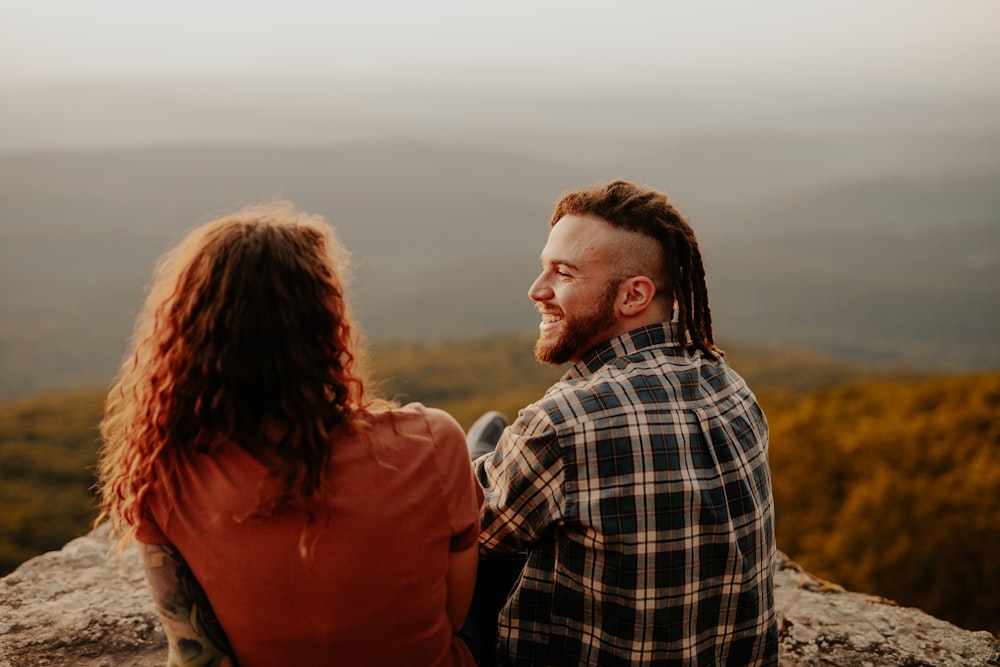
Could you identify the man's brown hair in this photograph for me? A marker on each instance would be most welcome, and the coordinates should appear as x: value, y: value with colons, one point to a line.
x: 649, y: 212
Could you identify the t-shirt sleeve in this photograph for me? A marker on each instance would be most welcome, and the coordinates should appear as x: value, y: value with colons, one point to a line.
x: 147, y: 530
x: 463, y: 495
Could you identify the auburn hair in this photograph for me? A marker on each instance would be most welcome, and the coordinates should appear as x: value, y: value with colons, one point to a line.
x: 649, y: 212
x: 245, y: 337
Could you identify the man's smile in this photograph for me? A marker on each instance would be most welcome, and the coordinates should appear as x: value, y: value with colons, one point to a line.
x: 550, y: 320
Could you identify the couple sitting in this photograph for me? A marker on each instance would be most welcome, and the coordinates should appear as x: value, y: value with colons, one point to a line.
x: 286, y: 518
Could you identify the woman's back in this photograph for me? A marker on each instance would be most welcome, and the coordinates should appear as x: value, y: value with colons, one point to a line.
x: 372, y: 588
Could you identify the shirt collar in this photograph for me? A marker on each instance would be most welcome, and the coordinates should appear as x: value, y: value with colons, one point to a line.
x: 661, y: 334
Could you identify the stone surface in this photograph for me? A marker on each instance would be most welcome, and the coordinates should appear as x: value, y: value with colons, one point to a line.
x: 75, y: 607
x: 822, y: 624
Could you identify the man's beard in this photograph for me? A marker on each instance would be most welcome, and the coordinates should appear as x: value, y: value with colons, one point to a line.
x: 578, y: 331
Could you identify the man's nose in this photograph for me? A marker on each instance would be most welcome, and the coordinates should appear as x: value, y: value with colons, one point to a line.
x: 540, y: 290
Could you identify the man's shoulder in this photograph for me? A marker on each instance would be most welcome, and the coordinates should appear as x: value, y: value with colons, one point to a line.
x: 654, y: 378
x: 576, y: 399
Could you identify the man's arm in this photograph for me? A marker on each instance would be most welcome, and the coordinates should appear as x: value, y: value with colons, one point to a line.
x: 523, y: 485
x: 194, y: 635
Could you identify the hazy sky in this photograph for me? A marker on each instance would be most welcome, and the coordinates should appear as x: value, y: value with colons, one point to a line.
x: 949, y: 43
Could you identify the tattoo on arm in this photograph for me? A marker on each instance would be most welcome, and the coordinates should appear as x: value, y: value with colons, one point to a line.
x: 195, y: 637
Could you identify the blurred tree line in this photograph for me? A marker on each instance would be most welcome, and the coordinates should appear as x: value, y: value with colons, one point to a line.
x: 893, y: 487
x: 887, y: 486
x: 48, y: 446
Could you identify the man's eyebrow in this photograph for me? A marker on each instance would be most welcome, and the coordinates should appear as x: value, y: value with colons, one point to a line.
x: 560, y: 262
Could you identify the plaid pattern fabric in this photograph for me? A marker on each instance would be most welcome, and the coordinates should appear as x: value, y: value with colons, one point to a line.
x: 639, y: 488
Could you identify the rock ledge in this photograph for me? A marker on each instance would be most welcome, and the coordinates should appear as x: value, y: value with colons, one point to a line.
x: 74, y: 607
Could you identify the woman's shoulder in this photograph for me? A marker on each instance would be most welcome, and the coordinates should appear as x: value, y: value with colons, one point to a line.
x: 416, y: 418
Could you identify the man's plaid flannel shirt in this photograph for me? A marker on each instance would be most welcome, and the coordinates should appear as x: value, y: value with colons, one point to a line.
x: 639, y: 488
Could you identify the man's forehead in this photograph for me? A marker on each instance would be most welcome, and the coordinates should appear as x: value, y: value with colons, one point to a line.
x: 576, y: 239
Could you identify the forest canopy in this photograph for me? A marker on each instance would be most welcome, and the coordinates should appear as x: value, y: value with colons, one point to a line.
x: 893, y: 487
x: 885, y: 485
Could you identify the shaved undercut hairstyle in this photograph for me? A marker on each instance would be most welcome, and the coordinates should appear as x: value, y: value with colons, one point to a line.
x: 649, y: 212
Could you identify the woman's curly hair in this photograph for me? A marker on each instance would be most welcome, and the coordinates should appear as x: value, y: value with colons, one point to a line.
x: 245, y: 337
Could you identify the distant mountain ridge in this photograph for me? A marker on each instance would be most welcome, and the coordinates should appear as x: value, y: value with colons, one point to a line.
x: 816, y: 242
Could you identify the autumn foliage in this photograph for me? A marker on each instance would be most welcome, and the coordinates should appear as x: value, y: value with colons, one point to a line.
x: 894, y: 488
x: 886, y: 486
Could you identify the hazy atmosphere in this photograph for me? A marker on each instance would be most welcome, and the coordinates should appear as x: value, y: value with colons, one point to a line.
x: 840, y: 161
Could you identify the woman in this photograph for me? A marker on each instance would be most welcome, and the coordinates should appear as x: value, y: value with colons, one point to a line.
x: 284, y: 519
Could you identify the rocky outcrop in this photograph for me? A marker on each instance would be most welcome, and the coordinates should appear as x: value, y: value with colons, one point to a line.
x: 74, y: 607
x: 822, y: 624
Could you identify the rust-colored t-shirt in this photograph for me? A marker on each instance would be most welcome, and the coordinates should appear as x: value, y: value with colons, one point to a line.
x: 373, y: 592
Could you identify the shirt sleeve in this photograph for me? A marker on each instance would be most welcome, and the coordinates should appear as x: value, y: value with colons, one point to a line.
x: 524, y: 484
x: 147, y: 530
x: 463, y: 495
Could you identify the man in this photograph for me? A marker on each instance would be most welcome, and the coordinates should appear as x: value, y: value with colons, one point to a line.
x: 638, y: 486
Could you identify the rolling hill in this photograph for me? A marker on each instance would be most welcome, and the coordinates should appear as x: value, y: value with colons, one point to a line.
x: 878, y: 242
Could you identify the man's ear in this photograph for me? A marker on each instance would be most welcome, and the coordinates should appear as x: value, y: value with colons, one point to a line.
x: 635, y: 295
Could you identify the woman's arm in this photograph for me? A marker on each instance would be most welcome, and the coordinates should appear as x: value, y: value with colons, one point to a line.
x: 194, y: 635
x: 461, y: 583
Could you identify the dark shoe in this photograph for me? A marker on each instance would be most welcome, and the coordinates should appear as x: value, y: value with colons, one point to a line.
x: 483, y: 436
